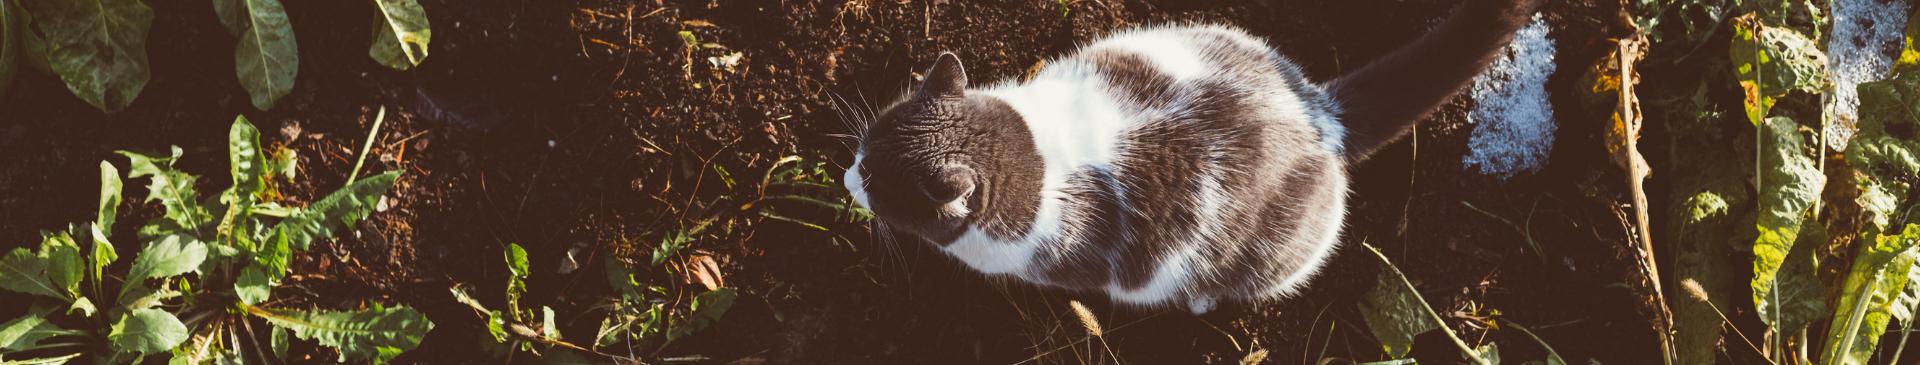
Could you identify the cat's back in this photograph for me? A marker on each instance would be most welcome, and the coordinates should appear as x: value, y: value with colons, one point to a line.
x: 1199, y: 152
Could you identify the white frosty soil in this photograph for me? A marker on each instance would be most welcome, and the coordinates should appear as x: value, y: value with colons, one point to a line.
x: 1866, y: 36
x: 1513, y: 122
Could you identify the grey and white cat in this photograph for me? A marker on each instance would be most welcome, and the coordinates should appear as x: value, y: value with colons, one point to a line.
x: 1163, y: 165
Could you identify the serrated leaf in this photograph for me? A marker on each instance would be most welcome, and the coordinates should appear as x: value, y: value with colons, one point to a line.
x: 339, y: 210
x: 141, y: 296
x: 400, y: 40
x: 26, y: 332
x: 1876, y: 278
x: 1395, y: 312
x: 377, y: 334
x: 98, y: 47
x: 1790, y: 184
x: 146, y: 331
x: 246, y: 163
x: 167, y: 257
x: 172, y: 188
x: 267, y: 58
x: 253, y: 286
x: 56, y: 360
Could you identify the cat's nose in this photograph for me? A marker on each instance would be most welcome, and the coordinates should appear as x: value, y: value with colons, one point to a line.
x: 950, y: 183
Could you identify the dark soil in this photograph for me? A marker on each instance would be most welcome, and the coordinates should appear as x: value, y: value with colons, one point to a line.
x: 591, y: 124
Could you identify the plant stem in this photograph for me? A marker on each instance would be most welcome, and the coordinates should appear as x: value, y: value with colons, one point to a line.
x: 378, y: 118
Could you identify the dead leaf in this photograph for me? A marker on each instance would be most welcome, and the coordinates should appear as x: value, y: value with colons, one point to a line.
x: 705, y: 271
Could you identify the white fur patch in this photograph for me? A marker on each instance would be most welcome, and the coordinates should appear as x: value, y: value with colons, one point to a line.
x: 856, y: 185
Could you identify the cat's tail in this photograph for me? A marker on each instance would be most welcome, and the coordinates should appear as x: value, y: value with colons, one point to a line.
x: 1381, y: 101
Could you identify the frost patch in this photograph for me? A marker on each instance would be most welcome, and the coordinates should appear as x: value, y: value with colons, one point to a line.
x: 1866, y: 35
x: 1514, y: 122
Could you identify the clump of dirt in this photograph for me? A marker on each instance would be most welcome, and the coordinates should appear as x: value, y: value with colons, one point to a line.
x: 609, y: 125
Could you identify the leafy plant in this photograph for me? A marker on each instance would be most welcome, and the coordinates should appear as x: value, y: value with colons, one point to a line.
x: 516, y: 327
x: 646, y: 318
x: 1800, y: 218
x: 99, y: 47
x: 207, y: 271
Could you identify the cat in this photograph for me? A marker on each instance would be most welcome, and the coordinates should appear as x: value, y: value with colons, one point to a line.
x: 1167, y: 165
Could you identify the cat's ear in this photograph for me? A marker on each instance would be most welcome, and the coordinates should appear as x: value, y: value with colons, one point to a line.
x: 946, y: 79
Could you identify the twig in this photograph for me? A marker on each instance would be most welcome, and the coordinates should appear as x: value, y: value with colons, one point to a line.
x: 1629, y: 50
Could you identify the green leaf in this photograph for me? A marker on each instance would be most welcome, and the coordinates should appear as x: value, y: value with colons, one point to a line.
x: 1873, y: 282
x: 1395, y: 312
x: 1789, y: 187
x: 400, y: 40
x: 147, y: 331
x: 84, y: 306
x: 167, y: 257
x: 679, y: 240
x: 707, y: 309
x: 1712, y: 214
x: 54, y: 271
x: 253, y: 287
x: 247, y: 164
x: 56, y: 360
x: 26, y: 332
x: 1885, y: 148
x: 267, y: 57
x: 98, y: 47
x: 103, y: 251
x: 280, y: 342
x: 232, y: 14
x: 517, y: 280
x: 64, y: 266
x: 339, y: 210
x: 172, y: 188
x: 621, y: 279
x: 376, y: 334
x: 274, y: 255
x: 141, y: 296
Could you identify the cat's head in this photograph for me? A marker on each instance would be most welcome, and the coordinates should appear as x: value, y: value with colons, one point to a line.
x: 942, y: 158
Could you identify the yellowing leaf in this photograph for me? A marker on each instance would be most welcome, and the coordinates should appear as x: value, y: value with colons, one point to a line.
x: 1875, y: 280
x: 400, y: 40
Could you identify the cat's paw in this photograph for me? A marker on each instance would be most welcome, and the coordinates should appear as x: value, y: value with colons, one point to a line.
x: 1201, y: 304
